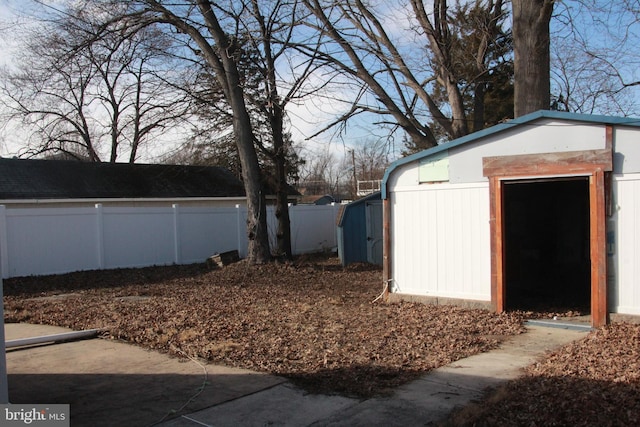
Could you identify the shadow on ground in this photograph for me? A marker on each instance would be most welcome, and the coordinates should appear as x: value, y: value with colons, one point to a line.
x: 99, y: 279
x: 129, y: 399
x: 560, y: 401
x: 356, y: 381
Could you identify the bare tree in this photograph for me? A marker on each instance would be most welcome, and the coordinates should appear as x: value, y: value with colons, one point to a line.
x: 90, y: 93
x: 371, y: 159
x: 271, y: 29
x: 198, y: 28
x: 402, y: 81
x: 595, y: 75
x: 51, y: 95
x: 323, y: 173
x: 214, y: 31
x: 271, y: 79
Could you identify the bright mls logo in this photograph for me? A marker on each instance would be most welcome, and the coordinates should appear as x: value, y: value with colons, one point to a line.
x: 34, y: 415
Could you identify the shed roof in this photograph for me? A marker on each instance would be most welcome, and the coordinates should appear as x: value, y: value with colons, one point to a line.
x: 523, y: 120
x: 62, y: 179
x: 355, y: 203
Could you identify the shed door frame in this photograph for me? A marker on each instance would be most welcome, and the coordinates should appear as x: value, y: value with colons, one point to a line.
x: 591, y: 163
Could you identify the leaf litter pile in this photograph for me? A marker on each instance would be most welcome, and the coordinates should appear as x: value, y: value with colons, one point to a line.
x: 591, y: 382
x: 312, y: 320
x: 316, y: 323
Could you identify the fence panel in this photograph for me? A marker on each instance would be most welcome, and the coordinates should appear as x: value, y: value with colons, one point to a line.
x: 313, y: 228
x: 38, y: 241
x: 49, y: 241
x: 206, y: 231
x: 138, y: 237
x: 241, y: 227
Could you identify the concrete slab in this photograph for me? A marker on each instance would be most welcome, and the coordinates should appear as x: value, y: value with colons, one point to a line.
x: 426, y: 400
x: 431, y: 398
x: 111, y: 383
x: 282, y: 405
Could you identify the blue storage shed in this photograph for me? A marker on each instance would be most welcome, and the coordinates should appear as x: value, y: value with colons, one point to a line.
x: 360, y: 231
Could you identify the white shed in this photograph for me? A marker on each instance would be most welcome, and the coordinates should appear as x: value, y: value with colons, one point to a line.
x: 541, y: 211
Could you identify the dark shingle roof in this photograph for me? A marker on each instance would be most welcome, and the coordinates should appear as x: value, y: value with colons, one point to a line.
x: 60, y: 179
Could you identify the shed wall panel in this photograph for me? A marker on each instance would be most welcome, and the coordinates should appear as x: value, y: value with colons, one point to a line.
x: 626, y: 156
x: 440, y: 241
x: 405, y: 176
x: 465, y: 162
x: 624, y: 280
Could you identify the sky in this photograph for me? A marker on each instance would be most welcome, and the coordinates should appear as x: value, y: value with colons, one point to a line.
x: 313, y: 115
x: 307, y: 119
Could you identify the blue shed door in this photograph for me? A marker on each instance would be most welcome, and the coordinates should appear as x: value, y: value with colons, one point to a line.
x: 373, y: 213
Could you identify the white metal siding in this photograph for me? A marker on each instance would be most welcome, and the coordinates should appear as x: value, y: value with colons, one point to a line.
x: 465, y: 162
x: 440, y: 241
x: 624, y: 292
x: 626, y: 156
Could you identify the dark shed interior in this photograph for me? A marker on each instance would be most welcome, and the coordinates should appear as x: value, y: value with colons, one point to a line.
x: 546, y: 244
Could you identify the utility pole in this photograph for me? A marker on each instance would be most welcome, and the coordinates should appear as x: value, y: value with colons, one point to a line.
x: 355, y: 180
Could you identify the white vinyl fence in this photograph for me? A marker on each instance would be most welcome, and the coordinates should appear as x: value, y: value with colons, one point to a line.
x: 39, y: 241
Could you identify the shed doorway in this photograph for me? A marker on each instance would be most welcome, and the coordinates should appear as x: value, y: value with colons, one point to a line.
x: 547, y: 262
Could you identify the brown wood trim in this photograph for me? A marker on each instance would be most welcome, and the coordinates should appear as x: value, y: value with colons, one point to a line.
x: 497, y: 250
x: 598, y: 255
x: 561, y: 163
x: 597, y: 225
x: 608, y: 137
x: 597, y: 164
x: 386, y: 246
x: 608, y: 184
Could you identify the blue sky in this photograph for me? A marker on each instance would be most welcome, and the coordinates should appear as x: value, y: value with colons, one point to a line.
x: 611, y: 39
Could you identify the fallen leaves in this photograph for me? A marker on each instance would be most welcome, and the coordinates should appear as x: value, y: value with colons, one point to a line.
x: 311, y: 321
x: 591, y: 382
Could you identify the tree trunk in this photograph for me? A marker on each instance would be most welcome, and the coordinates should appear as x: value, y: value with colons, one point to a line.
x: 219, y: 50
x: 283, y: 233
x: 531, y: 55
x: 282, y: 210
x: 274, y: 110
x: 226, y: 67
x: 478, y: 106
x: 258, y: 250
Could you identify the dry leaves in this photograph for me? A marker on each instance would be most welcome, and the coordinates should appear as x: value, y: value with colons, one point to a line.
x: 314, y: 322
x: 591, y: 382
x: 311, y: 321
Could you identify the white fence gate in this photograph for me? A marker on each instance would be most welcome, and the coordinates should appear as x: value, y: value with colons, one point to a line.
x: 39, y: 241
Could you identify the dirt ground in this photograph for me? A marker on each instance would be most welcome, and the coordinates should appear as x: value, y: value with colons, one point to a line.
x: 323, y: 327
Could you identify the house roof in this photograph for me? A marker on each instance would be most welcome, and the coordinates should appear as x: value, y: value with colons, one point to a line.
x: 61, y: 179
x: 502, y: 127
